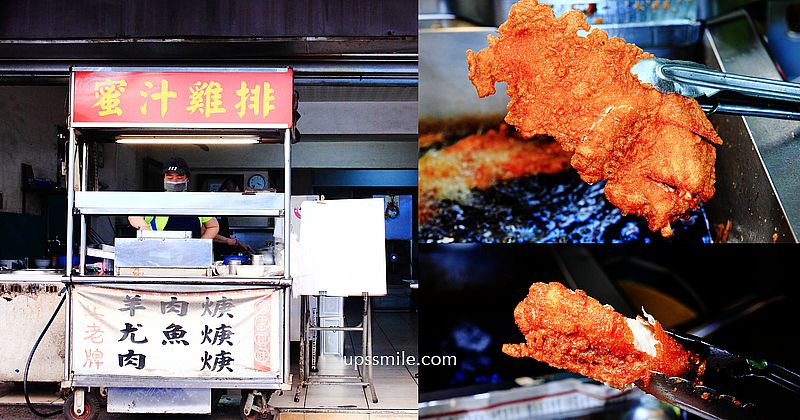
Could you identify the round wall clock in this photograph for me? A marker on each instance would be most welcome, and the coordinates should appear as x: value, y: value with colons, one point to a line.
x: 257, y: 182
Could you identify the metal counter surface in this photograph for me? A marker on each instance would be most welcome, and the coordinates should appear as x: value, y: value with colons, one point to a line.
x: 186, y: 203
x: 734, y: 46
x: 32, y: 275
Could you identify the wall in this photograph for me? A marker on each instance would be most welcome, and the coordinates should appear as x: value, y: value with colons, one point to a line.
x: 121, y: 171
x: 21, y: 236
x: 28, y: 119
x: 358, y: 117
x: 334, y: 135
x: 208, y: 18
x: 122, y: 167
x: 343, y: 155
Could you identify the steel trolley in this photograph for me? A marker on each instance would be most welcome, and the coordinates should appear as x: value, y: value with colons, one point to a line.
x: 98, y: 113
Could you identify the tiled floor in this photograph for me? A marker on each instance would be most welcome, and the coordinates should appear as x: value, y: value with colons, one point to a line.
x: 396, y: 385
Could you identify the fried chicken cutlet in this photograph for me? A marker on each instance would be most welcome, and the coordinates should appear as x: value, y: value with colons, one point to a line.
x: 570, y: 330
x: 655, y: 150
x: 480, y: 161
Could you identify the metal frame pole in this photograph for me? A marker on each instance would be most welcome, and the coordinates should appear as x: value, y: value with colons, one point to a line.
x: 365, y: 337
x: 287, y: 202
x: 83, y: 187
x: 70, y: 184
x: 287, y: 229
x: 70, y: 199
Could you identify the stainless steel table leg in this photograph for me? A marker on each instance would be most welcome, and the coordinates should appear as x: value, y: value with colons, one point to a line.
x: 316, y: 337
x: 368, y: 328
x: 363, y: 374
x: 306, y: 340
x: 303, y: 346
x: 362, y: 371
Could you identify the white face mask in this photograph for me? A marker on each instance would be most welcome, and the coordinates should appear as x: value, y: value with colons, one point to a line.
x: 176, y: 186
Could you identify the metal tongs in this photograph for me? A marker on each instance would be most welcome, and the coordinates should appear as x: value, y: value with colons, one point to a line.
x: 719, y: 92
x: 730, y: 386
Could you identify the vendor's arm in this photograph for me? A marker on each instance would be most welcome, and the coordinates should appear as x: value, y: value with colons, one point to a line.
x: 138, y: 222
x: 210, y: 228
x: 220, y: 239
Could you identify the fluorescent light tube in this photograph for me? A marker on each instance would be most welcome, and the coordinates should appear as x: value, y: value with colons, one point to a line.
x: 187, y: 139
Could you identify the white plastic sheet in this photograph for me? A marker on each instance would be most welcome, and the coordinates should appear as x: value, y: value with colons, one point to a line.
x: 342, y: 248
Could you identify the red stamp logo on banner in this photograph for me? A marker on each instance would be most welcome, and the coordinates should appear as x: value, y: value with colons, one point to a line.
x: 261, y: 334
x: 259, y: 99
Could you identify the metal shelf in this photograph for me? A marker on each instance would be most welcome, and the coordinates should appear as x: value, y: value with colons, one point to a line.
x: 158, y: 382
x: 278, y: 281
x: 183, y: 203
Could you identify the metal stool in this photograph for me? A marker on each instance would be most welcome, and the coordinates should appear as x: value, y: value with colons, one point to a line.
x: 311, y: 326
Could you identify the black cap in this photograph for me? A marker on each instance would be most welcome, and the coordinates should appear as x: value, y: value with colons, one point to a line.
x: 176, y: 164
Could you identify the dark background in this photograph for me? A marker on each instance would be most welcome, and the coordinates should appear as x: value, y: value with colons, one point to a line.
x: 49, y: 19
x: 469, y: 293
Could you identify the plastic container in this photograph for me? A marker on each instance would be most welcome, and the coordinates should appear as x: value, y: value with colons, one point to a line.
x: 61, y: 261
x: 257, y: 259
x: 240, y: 258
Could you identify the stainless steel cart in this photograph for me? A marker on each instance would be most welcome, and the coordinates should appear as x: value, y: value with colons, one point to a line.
x: 83, y: 203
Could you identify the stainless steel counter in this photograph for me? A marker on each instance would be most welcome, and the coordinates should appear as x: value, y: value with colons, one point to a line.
x: 771, y: 145
x: 27, y: 301
x: 32, y: 275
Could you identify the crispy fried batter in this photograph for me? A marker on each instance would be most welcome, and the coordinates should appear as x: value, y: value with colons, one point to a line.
x: 430, y: 139
x: 570, y: 330
x: 580, y: 90
x: 480, y: 161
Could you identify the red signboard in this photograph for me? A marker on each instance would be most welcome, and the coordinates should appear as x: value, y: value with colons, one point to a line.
x: 183, y: 99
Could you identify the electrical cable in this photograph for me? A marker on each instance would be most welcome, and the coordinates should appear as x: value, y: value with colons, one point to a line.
x: 30, y: 357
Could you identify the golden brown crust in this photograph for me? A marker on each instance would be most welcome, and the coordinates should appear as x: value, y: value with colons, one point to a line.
x: 570, y: 330
x: 431, y: 139
x: 580, y: 91
x: 480, y: 161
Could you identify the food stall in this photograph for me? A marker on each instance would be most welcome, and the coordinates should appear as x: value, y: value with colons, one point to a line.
x: 166, y: 325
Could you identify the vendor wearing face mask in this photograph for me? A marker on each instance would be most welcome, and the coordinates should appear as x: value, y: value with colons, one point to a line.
x: 176, y: 179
